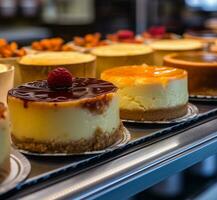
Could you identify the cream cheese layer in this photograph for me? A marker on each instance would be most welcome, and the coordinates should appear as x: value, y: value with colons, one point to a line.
x: 61, y: 123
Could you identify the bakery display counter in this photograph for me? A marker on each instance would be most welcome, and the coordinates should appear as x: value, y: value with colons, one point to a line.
x: 153, y: 154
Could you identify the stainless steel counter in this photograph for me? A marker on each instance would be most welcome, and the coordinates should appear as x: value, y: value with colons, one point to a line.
x: 133, y: 172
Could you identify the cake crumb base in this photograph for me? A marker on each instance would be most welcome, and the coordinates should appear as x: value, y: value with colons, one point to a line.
x: 154, y: 115
x: 99, y: 141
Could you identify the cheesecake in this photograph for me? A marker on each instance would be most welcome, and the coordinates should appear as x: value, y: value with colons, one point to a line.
x: 6, y: 81
x: 73, y: 116
x: 201, y: 68
x: 150, y: 93
x: 121, y: 54
x: 4, y: 143
x: 205, y: 36
x: 37, y: 66
x: 163, y: 47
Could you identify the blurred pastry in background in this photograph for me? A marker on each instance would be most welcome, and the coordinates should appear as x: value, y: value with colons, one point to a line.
x: 157, y: 33
x: 9, y: 54
x: 121, y: 54
x: 163, y: 47
x: 6, y: 81
x: 207, y: 37
x: 201, y: 68
x: 124, y: 36
x: 37, y: 66
x: 51, y: 44
x: 89, y: 41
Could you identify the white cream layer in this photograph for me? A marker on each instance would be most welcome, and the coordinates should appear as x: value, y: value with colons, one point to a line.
x: 61, y: 124
x: 154, y: 96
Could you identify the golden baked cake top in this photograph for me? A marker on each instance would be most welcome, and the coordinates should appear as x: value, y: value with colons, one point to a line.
x: 56, y: 58
x: 137, y: 74
x: 197, y: 59
x: 176, y: 45
x: 122, y: 49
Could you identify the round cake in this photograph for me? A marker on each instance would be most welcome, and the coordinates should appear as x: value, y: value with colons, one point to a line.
x: 163, y: 47
x: 201, y: 68
x: 37, y: 66
x: 121, y: 54
x: 6, y: 81
x: 4, y: 143
x: 204, y: 36
x: 82, y: 117
x: 150, y: 93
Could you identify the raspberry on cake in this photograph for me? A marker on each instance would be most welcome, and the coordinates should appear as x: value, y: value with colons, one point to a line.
x: 150, y: 93
x: 4, y: 143
x: 59, y: 78
x: 83, y: 116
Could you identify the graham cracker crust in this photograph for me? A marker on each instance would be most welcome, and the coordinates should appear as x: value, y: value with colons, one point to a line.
x: 205, y: 92
x: 99, y: 141
x: 5, y: 169
x: 154, y: 115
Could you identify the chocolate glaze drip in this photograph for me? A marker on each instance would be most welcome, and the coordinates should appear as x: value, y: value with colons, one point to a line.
x: 81, y: 88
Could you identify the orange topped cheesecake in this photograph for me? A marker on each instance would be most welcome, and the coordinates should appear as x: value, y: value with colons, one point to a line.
x: 4, y: 143
x: 150, y: 93
x: 64, y: 114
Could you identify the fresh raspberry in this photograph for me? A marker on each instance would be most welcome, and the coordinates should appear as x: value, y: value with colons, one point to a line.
x: 125, y: 34
x: 59, y: 78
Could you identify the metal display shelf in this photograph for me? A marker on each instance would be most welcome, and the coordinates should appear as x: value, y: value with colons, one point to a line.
x: 144, y: 162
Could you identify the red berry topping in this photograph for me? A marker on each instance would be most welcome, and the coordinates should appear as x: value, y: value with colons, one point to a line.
x: 156, y: 31
x: 125, y: 34
x: 59, y: 78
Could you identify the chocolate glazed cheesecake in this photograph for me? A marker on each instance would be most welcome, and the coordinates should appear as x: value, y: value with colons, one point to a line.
x: 82, y: 117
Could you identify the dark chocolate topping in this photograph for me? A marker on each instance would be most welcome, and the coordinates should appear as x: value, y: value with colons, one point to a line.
x: 81, y: 88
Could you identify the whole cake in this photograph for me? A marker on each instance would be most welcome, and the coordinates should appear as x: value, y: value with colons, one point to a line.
x: 121, y: 55
x: 64, y: 114
x: 6, y: 81
x: 4, y: 144
x: 201, y: 68
x: 37, y: 66
x: 163, y: 47
x: 205, y: 36
x: 150, y: 93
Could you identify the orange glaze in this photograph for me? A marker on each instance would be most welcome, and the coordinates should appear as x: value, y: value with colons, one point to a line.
x: 143, y: 74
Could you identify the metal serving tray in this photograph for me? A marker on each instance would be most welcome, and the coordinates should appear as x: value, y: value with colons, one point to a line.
x: 49, y: 170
